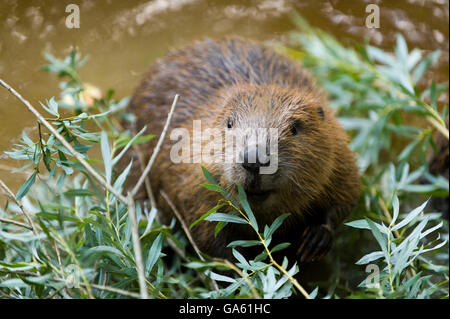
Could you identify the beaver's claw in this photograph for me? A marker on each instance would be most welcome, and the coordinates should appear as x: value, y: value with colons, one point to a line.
x: 316, y: 242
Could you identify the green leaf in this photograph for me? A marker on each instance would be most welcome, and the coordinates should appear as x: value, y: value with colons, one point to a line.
x: 244, y: 243
x: 53, y: 106
x: 118, y: 183
x: 213, y: 187
x: 209, y: 176
x: 381, y: 56
x: 360, y: 224
x: 424, y: 65
x: 401, y: 50
x: 211, y: 211
x: 280, y: 247
x: 240, y: 258
x: 433, y: 97
x: 268, y: 232
x: 13, y: 283
x: 370, y: 257
x: 217, y: 188
x: 38, y: 280
x: 129, y: 144
x: 405, y: 154
x: 79, y: 192
x: 413, y: 214
x: 153, y: 254
x: 23, y: 190
x: 19, y: 266
x: 221, y: 217
x: 105, y: 250
x: 247, y: 209
x: 378, y: 236
x: 219, y: 227
x: 218, y: 277
x: 106, y: 154
x: 313, y: 294
x: 396, y: 208
x: 26, y: 139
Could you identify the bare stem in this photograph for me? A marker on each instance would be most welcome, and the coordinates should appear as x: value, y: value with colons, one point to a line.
x: 156, y: 150
x: 13, y: 222
x: 137, y: 247
x: 183, y: 224
x: 186, y: 230
x: 11, y: 195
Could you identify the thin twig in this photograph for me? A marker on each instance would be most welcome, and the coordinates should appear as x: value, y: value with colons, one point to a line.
x: 157, y: 148
x: 438, y: 126
x: 410, y: 272
x: 115, y: 290
x: 186, y: 231
x: 148, y: 186
x: 10, y: 221
x: 387, y: 215
x: 177, y: 249
x: 183, y: 224
x: 150, y: 194
x: 106, y: 288
x: 243, y: 276
x: 55, y: 244
x: 99, y: 287
x: 137, y: 247
x: 63, y: 141
x: 11, y: 195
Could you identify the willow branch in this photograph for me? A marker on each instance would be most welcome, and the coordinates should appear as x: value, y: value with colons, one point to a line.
x: 66, y: 144
x: 157, y: 148
x: 183, y: 224
x: 11, y: 195
x: 13, y: 222
x: 137, y: 246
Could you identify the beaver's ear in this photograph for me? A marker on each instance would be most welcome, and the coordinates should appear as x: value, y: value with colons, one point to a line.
x: 321, y: 112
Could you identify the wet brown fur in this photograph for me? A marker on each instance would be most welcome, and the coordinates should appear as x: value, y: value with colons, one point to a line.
x: 317, y: 180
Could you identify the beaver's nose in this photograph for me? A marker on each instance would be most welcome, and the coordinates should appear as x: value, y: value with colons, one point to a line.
x: 252, y: 161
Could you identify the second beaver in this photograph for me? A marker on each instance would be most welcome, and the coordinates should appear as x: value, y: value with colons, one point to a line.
x: 234, y: 83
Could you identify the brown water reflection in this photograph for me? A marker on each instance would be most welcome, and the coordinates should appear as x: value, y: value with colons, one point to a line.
x: 123, y: 38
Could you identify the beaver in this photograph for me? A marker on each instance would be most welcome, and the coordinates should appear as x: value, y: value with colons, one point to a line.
x: 232, y: 83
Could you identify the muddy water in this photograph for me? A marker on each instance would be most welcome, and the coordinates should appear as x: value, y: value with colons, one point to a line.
x: 123, y: 38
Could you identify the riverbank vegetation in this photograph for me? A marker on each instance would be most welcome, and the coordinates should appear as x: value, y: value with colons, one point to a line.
x: 70, y: 231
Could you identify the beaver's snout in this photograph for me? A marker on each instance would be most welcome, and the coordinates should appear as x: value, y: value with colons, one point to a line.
x: 254, y: 159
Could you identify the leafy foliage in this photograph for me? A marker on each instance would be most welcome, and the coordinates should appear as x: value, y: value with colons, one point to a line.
x: 81, y: 245
x: 391, y: 114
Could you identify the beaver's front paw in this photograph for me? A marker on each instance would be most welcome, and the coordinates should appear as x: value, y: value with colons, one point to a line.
x: 316, y: 242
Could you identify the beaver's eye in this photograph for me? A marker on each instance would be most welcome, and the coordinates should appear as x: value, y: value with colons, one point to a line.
x: 321, y: 112
x: 296, y: 127
x: 230, y: 123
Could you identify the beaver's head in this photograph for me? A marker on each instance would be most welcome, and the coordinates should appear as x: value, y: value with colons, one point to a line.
x: 304, y: 150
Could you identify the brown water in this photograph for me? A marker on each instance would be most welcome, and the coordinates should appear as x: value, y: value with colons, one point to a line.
x: 123, y: 38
